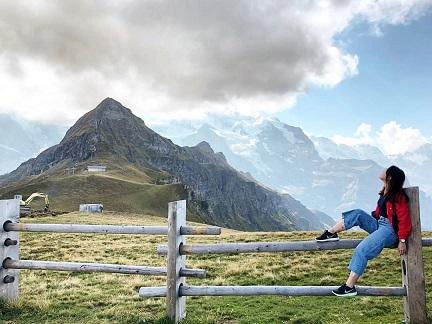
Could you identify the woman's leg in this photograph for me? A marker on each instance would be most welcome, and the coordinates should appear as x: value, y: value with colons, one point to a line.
x: 355, y: 217
x: 371, y: 247
x: 368, y: 249
x: 338, y: 227
x: 352, y: 279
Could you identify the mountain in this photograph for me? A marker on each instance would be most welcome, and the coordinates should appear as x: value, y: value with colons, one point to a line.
x: 219, y: 144
x: 323, y: 175
x: 418, y: 165
x: 329, y: 149
x: 110, y: 134
x: 343, y: 184
x: 20, y: 141
x: 283, y: 157
x: 276, y: 154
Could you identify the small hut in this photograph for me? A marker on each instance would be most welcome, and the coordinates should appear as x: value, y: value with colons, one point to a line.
x: 91, y: 208
x: 96, y: 168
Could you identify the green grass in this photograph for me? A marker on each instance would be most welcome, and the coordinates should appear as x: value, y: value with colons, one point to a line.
x: 63, y: 297
x: 124, y: 187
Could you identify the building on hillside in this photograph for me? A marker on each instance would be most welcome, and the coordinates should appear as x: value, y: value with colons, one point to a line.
x: 96, y: 168
x: 91, y: 208
x: 170, y: 180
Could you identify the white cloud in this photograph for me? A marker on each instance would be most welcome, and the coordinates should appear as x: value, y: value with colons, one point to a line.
x: 362, y: 136
x: 391, y: 139
x: 397, y: 140
x: 177, y: 59
x: 393, y: 12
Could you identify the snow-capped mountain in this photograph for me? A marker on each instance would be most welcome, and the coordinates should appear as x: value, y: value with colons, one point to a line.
x: 273, y: 152
x: 418, y: 166
x: 20, y: 140
x: 328, y: 148
x: 323, y: 175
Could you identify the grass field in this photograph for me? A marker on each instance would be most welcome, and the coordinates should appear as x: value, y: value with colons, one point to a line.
x: 63, y: 297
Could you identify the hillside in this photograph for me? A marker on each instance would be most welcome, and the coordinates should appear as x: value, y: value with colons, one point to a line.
x: 113, y: 298
x: 110, y: 134
x: 125, y: 188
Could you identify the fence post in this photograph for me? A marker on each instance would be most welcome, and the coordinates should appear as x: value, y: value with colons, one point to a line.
x: 9, y: 248
x: 176, y: 305
x: 412, y: 266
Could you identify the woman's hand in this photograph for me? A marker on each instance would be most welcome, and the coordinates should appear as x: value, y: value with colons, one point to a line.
x: 402, y: 248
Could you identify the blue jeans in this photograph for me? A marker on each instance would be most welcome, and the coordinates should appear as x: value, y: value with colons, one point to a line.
x: 381, y: 235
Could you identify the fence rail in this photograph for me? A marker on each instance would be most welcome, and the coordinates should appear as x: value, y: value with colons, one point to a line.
x: 97, y: 267
x: 257, y: 247
x: 269, y: 290
x: 108, y: 229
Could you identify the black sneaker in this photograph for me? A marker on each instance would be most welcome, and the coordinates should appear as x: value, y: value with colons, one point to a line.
x: 345, y: 291
x: 327, y: 237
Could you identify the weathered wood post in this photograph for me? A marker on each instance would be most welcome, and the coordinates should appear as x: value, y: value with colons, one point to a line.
x: 412, y: 266
x: 176, y: 305
x: 9, y: 248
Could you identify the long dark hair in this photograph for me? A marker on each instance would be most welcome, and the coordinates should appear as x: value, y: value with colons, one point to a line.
x: 396, y: 179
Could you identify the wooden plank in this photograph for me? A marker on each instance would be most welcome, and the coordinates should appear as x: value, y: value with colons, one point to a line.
x: 269, y: 290
x: 284, y: 291
x: 257, y: 247
x: 110, y: 229
x: 412, y: 266
x: 9, y: 211
x: 97, y: 267
x: 427, y: 241
x: 153, y: 292
x: 176, y: 305
x: 200, y: 230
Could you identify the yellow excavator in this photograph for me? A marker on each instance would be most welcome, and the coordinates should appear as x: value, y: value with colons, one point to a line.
x: 25, y: 208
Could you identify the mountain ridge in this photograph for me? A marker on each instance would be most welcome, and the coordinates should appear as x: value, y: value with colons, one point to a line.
x: 320, y: 173
x: 216, y: 192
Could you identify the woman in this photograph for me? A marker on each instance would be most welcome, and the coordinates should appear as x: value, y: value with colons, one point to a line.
x: 388, y: 226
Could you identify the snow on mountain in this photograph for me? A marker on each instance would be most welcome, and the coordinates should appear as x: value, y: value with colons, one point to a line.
x: 418, y: 166
x: 176, y: 129
x: 328, y: 148
x: 276, y: 154
x: 321, y: 174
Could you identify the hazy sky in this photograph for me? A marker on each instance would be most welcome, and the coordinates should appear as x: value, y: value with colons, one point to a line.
x: 356, y: 71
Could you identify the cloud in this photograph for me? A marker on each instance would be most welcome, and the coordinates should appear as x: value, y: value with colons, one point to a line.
x: 397, y: 140
x: 392, y: 138
x: 177, y: 59
x: 362, y: 136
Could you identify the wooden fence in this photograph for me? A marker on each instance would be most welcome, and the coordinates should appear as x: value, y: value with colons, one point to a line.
x: 10, y: 245
x: 176, y: 290
x: 412, y: 289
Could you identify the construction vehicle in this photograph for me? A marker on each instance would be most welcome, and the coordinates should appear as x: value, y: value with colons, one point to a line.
x: 25, y: 208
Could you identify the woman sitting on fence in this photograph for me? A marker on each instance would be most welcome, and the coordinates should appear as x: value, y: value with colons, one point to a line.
x: 389, y: 225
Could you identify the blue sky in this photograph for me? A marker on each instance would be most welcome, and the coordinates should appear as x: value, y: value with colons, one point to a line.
x: 394, y: 82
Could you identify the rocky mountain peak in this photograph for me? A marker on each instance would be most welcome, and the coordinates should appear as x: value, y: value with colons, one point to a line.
x: 111, y: 109
x: 205, y: 147
x: 108, y: 113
